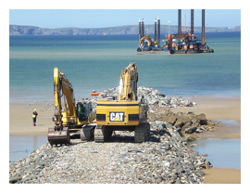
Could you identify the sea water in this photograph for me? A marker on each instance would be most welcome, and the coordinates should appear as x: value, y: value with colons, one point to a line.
x: 222, y: 153
x: 21, y: 146
x: 95, y: 63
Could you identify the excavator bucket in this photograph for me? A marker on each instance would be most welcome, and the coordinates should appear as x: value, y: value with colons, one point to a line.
x: 58, y: 137
x: 87, y: 132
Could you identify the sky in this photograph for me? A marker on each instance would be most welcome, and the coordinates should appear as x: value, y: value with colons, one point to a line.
x: 97, y: 18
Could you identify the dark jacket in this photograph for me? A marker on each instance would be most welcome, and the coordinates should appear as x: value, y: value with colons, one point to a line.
x: 35, y: 114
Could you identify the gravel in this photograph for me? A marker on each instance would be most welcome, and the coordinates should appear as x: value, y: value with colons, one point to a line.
x: 164, y: 158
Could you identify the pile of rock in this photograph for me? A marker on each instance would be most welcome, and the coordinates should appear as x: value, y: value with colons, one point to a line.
x: 156, y: 99
x: 165, y: 158
x: 153, y: 98
x: 189, y: 122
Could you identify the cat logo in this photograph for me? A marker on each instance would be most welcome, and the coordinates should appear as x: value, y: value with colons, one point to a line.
x: 116, y: 117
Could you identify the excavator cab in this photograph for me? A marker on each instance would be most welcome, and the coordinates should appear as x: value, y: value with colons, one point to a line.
x: 82, y: 112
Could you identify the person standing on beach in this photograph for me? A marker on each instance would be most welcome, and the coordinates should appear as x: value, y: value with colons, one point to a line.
x: 34, y: 117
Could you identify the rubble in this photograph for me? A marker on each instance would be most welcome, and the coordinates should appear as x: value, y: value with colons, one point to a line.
x: 155, y: 100
x: 164, y: 158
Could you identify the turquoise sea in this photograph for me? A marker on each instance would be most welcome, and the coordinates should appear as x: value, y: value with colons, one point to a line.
x: 95, y: 62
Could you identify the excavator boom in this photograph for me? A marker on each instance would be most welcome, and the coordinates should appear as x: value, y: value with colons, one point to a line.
x: 59, y: 134
x: 148, y: 38
x: 128, y: 83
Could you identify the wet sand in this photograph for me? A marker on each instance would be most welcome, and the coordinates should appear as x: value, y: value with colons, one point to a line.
x: 222, y: 176
x: 219, y: 109
x: 214, y: 108
x: 21, y: 122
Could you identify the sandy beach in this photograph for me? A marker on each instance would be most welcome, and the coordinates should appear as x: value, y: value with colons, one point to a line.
x: 222, y: 176
x: 219, y: 109
x: 213, y: 108
x: 21, y: 118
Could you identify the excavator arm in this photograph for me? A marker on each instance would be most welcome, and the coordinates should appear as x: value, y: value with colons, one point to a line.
x: 128, y: 83
x: 128, y: 89
x: 63, y: 88
x: 147, y: 37
x: 71, y: 115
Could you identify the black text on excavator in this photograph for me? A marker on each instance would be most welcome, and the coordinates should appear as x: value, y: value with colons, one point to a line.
x: 72, y: 115
x: 124, y: 114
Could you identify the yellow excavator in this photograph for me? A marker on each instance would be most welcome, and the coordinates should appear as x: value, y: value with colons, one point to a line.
x: 71, y: 115
x: 124, y: 113
x: 145, y: 38
x: 147, y: 44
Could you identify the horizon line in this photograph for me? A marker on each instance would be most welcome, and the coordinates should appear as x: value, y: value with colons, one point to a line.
x: 116, y: 26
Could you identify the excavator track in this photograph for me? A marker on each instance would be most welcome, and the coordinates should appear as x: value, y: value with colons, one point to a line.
x: 98, y: 136
x: 142, y: 132
x: 107, y: 133
x: 58, y: 137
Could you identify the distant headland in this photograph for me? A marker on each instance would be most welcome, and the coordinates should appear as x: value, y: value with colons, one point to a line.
x: 16, y: 30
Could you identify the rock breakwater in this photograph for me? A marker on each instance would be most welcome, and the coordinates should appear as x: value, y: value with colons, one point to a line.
x: 164, y: 159
x: 155, y: 100
x: 189, y: 123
